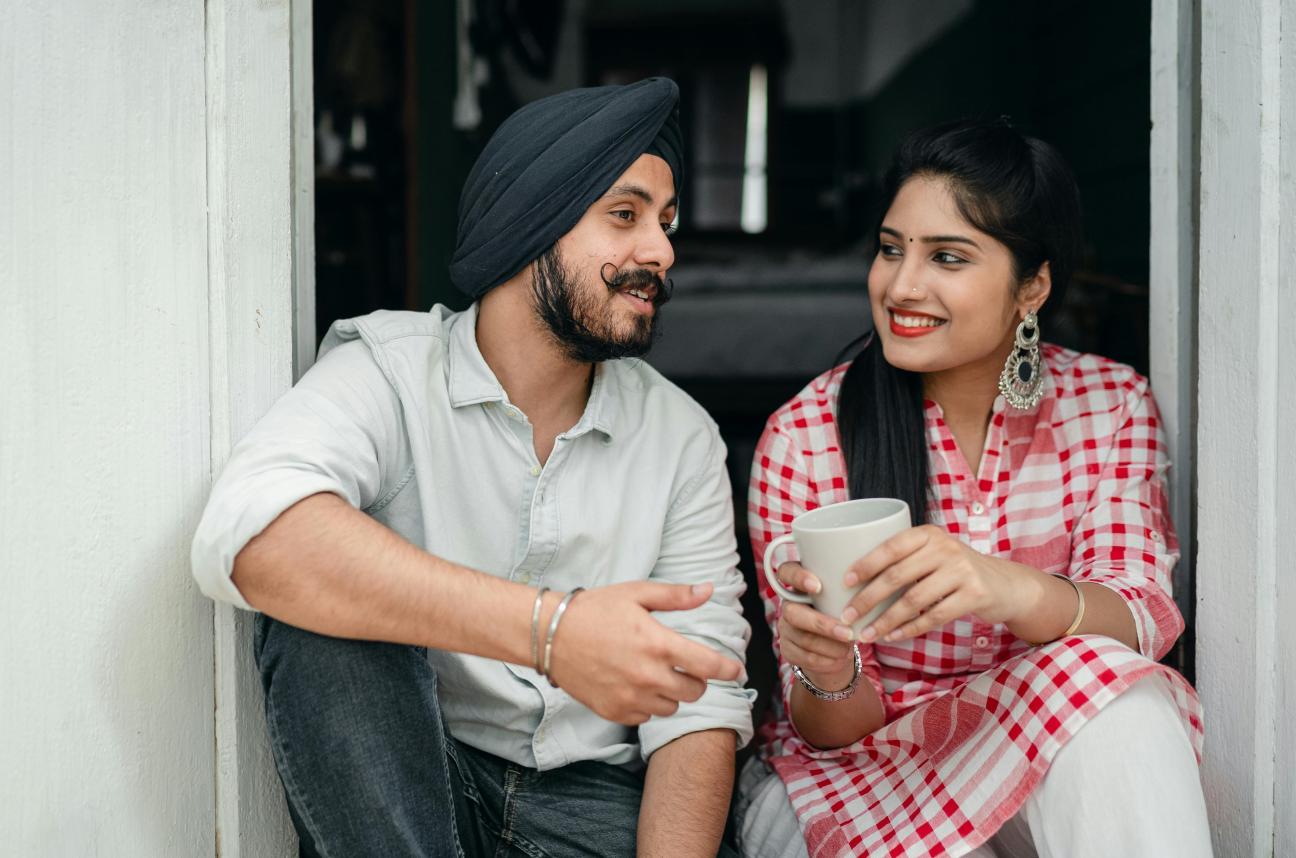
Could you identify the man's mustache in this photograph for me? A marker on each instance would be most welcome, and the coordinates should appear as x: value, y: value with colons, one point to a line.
x: 638, y: 278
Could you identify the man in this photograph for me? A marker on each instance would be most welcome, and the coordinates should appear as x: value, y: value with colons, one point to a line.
x: 397, y: 516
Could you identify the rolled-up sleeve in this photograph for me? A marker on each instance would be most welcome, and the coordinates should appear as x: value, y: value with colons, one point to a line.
x: 1124, y: 540
x: 338, y: 430
x: 698, y: 547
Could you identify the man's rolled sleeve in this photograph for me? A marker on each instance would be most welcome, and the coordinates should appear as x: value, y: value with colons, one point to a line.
x: 337, y: 431
x: 697, y: 548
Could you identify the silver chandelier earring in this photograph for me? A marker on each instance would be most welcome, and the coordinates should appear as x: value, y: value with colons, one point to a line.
x: 1021, y: 381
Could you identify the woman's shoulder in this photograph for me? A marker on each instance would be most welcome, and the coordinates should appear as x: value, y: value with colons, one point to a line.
x: 812, y: 409
x: 1091, y: 381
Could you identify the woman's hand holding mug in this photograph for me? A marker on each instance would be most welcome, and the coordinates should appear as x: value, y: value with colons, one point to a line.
x: 942, y: 578
x: 817, y: 643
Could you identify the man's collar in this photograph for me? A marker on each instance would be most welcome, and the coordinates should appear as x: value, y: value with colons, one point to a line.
x: 472, y: 382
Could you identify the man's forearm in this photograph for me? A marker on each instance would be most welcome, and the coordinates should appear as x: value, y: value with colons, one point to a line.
x: 686, y: 796
x: 327, y: 567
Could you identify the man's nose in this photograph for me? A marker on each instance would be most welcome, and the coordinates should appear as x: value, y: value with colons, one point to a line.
x: 653, y: 249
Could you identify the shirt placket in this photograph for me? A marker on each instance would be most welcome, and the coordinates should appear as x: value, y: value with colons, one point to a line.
x: 538, y: 537
x: 981, y: 505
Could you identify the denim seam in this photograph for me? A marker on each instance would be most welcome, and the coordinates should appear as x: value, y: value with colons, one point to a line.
x: 470, y: 789
x: 290, y: 784
x: 508, y: 835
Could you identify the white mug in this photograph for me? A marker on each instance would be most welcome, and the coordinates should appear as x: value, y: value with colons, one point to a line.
x: 829, y: 540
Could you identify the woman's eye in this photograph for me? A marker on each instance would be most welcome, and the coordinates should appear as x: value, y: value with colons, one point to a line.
x: 889, y: 250
x: 944, y: 258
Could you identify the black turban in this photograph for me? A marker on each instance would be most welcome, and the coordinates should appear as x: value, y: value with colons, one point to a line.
x: 547, y: 164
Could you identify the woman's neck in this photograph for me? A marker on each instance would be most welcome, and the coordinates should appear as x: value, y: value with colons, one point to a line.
x: 966, y: 396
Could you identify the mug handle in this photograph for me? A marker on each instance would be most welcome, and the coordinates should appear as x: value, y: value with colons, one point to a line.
x: 790, y: 595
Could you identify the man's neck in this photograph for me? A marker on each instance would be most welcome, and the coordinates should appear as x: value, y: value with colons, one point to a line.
x: 550, y: 388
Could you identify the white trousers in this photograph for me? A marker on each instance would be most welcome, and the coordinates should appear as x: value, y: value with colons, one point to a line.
x: 1126, y: 784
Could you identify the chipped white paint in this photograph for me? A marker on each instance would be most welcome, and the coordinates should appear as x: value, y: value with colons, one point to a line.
x: 1247, y: 407
x: 106, y: 729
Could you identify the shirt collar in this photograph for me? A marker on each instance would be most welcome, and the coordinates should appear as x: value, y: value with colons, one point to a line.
x: 472, y: 382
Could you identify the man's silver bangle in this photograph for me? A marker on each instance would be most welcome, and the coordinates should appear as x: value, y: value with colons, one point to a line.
x: 535, y: 628
x: 831, y: 696
x: 553, y: 627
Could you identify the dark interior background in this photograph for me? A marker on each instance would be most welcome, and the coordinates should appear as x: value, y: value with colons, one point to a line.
x: 408, y: 92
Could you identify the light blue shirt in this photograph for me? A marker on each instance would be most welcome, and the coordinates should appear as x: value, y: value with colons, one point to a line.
x: 402, y: 417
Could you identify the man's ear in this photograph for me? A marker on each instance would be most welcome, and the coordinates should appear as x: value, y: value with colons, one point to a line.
x: 1035, y: 291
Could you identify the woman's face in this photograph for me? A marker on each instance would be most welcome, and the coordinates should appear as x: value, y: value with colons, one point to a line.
x: 943, y: 292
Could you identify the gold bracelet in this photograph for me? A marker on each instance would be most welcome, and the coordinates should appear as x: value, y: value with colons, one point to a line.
x: 1080, y: 608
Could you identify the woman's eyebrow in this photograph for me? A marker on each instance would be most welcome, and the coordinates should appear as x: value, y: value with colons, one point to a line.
x: 933, y: 239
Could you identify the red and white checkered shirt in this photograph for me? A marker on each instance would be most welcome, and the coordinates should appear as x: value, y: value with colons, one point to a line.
x: 974, y: 715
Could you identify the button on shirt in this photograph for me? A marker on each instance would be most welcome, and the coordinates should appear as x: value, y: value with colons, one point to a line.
x: 402, y: 417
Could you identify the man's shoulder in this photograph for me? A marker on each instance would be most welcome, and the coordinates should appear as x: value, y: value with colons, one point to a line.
x: 382, y: 328
x: 650, y: 400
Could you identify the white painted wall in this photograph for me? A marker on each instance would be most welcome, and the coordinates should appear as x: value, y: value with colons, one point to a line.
x: 155, y: 257
x: 1246, y: 598
x: 106, y: 730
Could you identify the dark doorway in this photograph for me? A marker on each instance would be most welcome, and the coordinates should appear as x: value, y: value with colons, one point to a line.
x: 791, y: 110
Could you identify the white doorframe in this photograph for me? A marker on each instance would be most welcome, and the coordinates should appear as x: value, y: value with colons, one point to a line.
x: 1172, y: 261
x: 260, y: 169
x: 1246, y: 494
x: 303, y: 171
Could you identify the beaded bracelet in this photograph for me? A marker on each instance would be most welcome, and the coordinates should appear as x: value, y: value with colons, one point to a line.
x: 831, y: 696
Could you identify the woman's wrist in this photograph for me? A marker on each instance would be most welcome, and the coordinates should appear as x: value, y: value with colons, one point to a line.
x: 1049, y: 605
x: 831, y: 680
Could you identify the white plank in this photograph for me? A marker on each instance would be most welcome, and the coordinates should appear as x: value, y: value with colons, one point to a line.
x: 250, y: 146
x: 1172, y: 259
x: 106, y: 645
x: 1246, y: 311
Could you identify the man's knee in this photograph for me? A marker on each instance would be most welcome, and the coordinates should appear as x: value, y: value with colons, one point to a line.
x: 315, y: 670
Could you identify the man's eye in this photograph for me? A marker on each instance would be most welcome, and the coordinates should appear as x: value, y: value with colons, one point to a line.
x: 624, y: 214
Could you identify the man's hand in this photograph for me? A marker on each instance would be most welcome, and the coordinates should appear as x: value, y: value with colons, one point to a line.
x: 610, y: 654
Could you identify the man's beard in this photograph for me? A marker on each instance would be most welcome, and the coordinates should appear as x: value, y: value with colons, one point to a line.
x: 583, y: 324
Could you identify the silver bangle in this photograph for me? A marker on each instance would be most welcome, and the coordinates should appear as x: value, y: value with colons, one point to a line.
x: 553, y: 627
x: 535, y: 628
x: 831, y: 696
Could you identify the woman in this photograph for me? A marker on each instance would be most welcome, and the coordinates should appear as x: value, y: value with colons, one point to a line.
x: 1010, y: 703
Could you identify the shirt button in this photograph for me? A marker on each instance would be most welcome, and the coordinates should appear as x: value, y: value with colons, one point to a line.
x: 535, y: 470
x: 540, y: 735
x: 524, y: 578
x: 1155, y: 536
x: 978, y: 509
x: 982, y: 642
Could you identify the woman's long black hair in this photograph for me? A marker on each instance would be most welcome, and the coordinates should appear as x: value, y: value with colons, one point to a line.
x: 1017, y: 190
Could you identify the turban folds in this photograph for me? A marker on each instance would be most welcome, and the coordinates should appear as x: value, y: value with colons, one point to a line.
x: 547, y: 164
